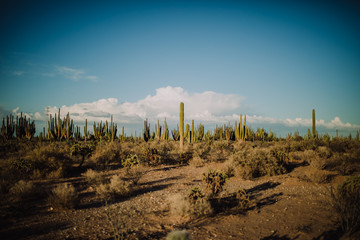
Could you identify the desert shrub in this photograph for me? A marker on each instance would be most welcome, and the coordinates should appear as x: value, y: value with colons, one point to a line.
x: 184, y: 157
x: 243, y: 199
x: 197, y: 161
x: 21, y: 167
x: 260, y: 162
x: 229, y: 168
x: 116, y: 188
x: 324, y: 152
x: 308, y: 144
x: 22, y: 191
x: 64, y: 196
x: 340, y: 145
x: 215, y: 181
x: 281, y: 155
x: 123, y: 220
x: 193, y: 205
x: 4, y: 186
x: 219, y: 151
x: 150, y: 156
x: 319, y: 176
x: 164, y: 149
x: 178, y: 235
x: 201, y: 150
x: 344, y: 163
x: 346, y: 198
x: 135, y: 173
x: 307, y: 156
x: 225, y: 147
x: 105, y: 153
x: 119, y: 187
x: 46, y: 159
x: 93, y: 177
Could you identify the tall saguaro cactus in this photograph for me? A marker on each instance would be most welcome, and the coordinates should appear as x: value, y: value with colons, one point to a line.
x: 313, y: 124
x: 181, y: 125
x: 146, y: 134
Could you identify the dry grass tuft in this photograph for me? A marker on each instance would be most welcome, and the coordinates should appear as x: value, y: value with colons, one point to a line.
x: 93, y: 177
x: 64, y: 196
x: 184, y: 206
x: 116, y: 188
x: 22, y: 191
x: 345, y: 199
x: 178, y: 235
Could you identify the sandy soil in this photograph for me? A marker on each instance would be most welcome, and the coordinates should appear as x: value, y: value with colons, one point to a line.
x: 282, y: 207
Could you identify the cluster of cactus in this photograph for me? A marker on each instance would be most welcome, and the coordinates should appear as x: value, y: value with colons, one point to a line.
x: 195, y: 194
x: 159, y: 134
x: 60, y: 129
x: 241, y: 131
x: 215, y: 181
x: 102, y: 131
x: 22, y: 127
x: 7, y: 130
x: 261, y: 135
x: 198, y: 133
x: 176, y: 133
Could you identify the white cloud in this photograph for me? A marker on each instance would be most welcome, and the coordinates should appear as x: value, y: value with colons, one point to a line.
x: 206, y: 107
x: 74, y: 74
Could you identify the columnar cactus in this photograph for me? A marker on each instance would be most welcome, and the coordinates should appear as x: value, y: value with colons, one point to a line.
x: 187, y: 133
x: 192, y: 138
x: 59, y: 129
x: 181, y: 125
x: 86, y: 133
x: 199, y: 132
x: 146, y: 134
x: 157, y: 130
x: 165, y: 134
x: 313, y: 124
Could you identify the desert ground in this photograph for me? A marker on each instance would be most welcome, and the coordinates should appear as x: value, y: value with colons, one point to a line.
x: 292, y: 202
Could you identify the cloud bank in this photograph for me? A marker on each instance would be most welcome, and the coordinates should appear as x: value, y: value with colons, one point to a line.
x: 207, y: 107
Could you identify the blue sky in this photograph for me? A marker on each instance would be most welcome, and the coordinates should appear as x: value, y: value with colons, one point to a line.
x: 272, y: 60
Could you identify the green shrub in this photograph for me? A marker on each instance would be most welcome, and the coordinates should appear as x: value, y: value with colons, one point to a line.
x: 346, y: 199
